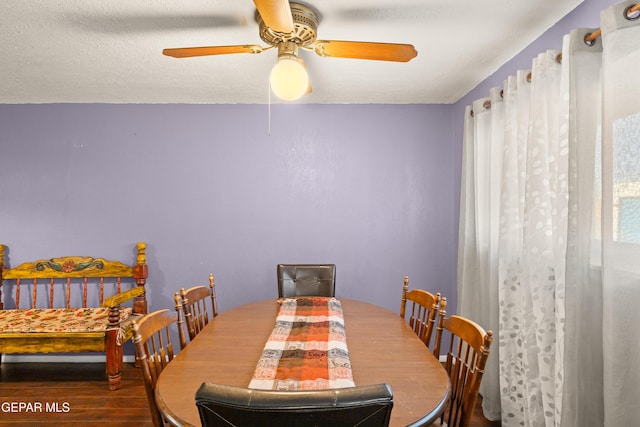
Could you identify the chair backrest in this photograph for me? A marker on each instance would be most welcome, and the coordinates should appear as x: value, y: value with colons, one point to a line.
x: 306, y: 280
x: 423, y: 310
x: 364, y: 406
x: 194, y: 305
x: 466, y: 359
x: 154, y: 350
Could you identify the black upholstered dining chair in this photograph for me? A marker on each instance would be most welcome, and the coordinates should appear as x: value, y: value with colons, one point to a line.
x: 295, y: 280
x: 364, y: 406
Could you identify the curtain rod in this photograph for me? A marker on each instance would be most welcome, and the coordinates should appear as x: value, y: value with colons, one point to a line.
x: 591, y: 37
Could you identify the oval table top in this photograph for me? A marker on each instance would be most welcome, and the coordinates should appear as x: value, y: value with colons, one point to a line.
x: 382, y: 349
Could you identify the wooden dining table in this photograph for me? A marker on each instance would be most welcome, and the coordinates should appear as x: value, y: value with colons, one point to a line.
x: 382, y: 349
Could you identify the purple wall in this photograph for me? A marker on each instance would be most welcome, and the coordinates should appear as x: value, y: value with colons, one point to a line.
x: 371, y: 188
x: 367, y: 187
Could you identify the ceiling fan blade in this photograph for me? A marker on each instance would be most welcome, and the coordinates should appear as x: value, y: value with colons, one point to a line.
x: 366, y: 50
x: 188, y: 52
x: 276, y: 14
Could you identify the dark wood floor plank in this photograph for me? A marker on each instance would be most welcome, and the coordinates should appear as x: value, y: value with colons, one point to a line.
x: 80, y: 389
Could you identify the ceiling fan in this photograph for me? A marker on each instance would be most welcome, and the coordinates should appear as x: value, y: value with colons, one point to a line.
x: 289, y: 26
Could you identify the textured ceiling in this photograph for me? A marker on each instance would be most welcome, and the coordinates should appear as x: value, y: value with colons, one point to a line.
x: 110, y: 51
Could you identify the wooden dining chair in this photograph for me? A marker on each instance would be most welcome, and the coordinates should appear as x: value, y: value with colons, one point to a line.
x: 225, y: 405
x: 467, y: 355
x: 295, y: 280
x: 154, y: 350
x: 194, y: 304
x: 424, y: 308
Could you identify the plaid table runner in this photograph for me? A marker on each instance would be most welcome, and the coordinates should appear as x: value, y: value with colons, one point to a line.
x: 307, y: 349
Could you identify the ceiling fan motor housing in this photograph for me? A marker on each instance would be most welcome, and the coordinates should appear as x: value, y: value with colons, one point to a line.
x: 305, y: 22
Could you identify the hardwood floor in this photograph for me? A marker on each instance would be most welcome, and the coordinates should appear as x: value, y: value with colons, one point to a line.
x: 479, y: 420
x: 80, y: 389
x: 75, y: 394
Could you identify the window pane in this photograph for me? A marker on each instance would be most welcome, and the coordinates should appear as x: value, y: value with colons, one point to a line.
x: 626, y: 178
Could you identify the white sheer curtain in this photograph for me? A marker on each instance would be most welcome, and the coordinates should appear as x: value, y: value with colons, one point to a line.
x: 621, y: 215
x: 549, y: 246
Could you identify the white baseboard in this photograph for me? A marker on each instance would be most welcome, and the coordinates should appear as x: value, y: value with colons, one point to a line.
x: 443, y: 358
x: 59, y: 358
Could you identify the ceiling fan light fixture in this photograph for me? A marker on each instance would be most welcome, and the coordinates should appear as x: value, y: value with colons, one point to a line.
x: 289, y: 79
x: 289, y: 26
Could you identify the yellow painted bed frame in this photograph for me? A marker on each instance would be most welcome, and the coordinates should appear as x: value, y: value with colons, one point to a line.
x: 77, y: 272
